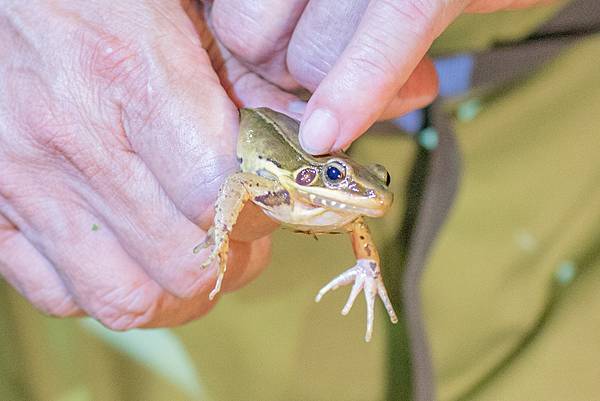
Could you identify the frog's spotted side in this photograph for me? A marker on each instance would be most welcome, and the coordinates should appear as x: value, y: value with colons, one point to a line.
x: 312, y: 194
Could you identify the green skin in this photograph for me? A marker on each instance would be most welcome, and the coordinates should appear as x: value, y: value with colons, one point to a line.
x: 268, y: 146
x: 292, y: 187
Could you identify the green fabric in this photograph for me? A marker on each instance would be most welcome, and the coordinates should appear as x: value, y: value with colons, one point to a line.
x: 474, y: 32
x: 529, y: 202
x: 511, y: 293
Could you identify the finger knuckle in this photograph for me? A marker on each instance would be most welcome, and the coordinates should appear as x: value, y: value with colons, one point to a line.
x: 114, y: 61
x: 186, y: 289
x: 66, y: 308
x: 418, y: 16
x: 53, y: 137
x: 244, y: 35
x: 372, y: 63
x: 51, y: 130
x: 38, y: 119
x: 130, y: 78
x: 126, y: 307
x: 309, y: 68
x: 54, y: 302
x: 177, y: 276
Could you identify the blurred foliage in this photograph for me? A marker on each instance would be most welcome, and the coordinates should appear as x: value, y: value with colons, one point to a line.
x: 159, y: 350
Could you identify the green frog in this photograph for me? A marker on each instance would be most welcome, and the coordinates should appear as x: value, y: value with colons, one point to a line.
x: 310, y: 194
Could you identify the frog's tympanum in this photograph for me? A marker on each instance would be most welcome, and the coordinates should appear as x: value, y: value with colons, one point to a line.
x: 311, y: 194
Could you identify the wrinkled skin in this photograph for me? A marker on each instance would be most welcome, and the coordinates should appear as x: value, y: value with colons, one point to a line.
x: 364, y: 59
x: 115, y: 134
x: 118, y: 124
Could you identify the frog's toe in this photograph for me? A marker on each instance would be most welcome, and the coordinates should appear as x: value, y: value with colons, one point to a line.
x: 209, y: 260
x: 343, y: 279
x: 386, y: 302
x: 356, y: 289
x: 209, y: 241
x: 370, y: 294
x: 217, y: 287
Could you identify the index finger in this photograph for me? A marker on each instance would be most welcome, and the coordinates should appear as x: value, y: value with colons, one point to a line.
x: 390, y: 41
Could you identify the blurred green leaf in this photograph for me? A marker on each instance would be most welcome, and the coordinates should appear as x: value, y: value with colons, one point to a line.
x: 160, y: 350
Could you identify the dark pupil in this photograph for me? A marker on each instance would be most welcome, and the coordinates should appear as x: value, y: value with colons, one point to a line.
x: 334, y: 173
x: 388, y: 179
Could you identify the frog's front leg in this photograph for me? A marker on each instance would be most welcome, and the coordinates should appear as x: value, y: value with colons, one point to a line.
x: 366, y: 275
x: 238, y: 189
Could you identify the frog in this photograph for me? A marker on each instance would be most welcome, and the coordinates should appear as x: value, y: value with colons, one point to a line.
x: 315, y: 195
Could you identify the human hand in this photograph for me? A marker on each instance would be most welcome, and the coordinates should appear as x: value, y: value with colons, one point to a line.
x: 363, y: 59
x: 115, y: 134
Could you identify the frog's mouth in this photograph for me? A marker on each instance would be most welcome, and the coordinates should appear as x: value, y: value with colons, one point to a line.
x: 373, y: 206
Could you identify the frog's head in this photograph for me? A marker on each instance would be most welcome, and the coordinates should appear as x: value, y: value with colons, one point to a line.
x: 268, y: 146
x: 338, y: 182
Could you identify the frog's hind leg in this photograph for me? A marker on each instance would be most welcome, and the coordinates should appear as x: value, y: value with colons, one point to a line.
x: 233, y: 194
x: 230, y: 201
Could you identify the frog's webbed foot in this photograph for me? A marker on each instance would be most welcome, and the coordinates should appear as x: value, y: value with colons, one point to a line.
x: 219, y: 244
x: 366, y: 276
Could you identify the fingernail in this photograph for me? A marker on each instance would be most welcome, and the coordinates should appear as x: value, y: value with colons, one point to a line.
x: 319, y: 132
x: 297, y: 106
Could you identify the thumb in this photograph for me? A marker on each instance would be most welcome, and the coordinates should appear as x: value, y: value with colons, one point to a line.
x: 391, y: 40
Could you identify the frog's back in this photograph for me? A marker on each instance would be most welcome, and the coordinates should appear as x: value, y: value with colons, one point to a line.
x: 271, y: 136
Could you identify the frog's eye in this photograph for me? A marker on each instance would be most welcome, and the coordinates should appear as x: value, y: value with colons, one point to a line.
x: 306, y: 176
x: 335, y: 172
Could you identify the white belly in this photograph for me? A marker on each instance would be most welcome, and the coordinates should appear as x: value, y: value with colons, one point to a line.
x: 303, y: 217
